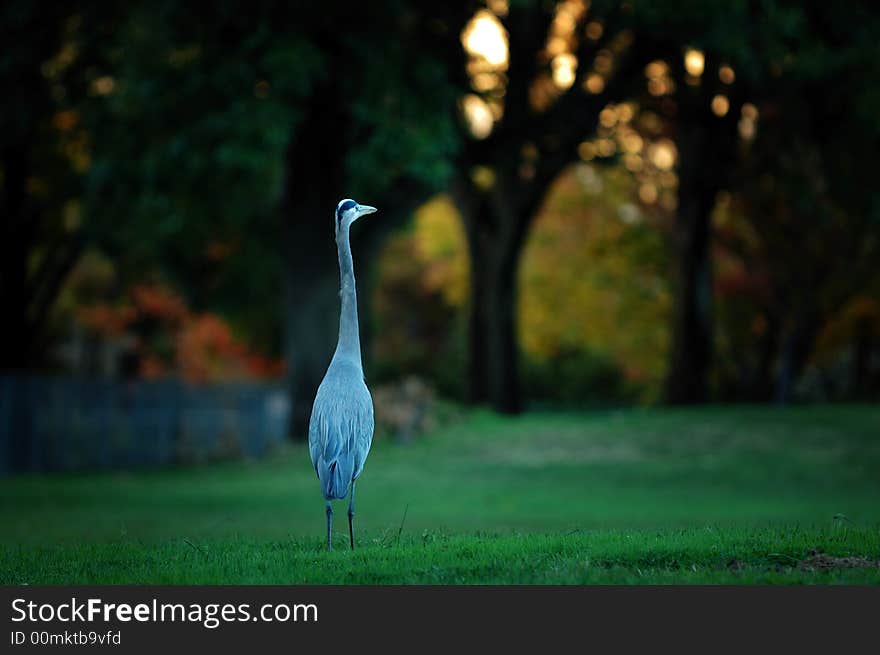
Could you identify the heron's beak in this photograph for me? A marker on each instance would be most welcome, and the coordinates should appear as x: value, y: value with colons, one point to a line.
x: 365, y: 209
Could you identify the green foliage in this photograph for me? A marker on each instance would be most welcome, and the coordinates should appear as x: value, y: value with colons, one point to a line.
x: 798, y: 243
x: 592, y: 263
x: 190, y: 144
x: 594, y: 288
x: 158, y: 133
x: 46, y: 70
x: 189, y: 152
x: 403, y: 130
x: 418, y: 322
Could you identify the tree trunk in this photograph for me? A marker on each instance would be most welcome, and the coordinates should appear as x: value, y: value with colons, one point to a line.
x: 692, y: 327
x: 707, y: 151
x: 493, y: 370
x: 313, y: 182
x: 495, y: 233
x: 862, y: 350
x: 503, y: 354
x: 478, y: 321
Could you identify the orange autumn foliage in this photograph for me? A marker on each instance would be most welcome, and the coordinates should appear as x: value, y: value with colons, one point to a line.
x: 161, y: 303
x: 171, y: 339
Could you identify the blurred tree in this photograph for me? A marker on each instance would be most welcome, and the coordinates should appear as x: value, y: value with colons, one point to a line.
x: 595, y: 298
x: 739, y: 62
x: 592, y: 312
x: 190, y: 148
x: 421, y: 291
x: 706, y: 63
x: 375, y: 128
x: 190, y: 142
x: 805, y: 219
x: 229, y: 139
x: 526, y: 69
x: 534, y: 78
x: 47, y: 73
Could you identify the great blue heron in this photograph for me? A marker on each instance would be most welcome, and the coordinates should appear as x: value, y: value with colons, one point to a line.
x: 341, y: 425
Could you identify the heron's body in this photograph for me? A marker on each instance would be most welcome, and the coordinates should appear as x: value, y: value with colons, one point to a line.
x: 341, y: 428
x: 341, y: 425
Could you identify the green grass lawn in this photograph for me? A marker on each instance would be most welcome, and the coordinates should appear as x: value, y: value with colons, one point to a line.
x: 708, y: 495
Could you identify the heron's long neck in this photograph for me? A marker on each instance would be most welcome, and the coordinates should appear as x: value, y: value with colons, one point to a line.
x: 349, y: 344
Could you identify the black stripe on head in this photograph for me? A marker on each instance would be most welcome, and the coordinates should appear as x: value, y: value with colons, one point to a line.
x: 344, y: 206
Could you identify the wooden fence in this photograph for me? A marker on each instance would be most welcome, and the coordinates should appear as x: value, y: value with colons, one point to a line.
x: 64, y: 424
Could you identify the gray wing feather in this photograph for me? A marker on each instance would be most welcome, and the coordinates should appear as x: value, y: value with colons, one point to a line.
x: 340, y: 430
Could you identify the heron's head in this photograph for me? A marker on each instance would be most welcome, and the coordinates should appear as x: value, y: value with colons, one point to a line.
x: 348, y: 211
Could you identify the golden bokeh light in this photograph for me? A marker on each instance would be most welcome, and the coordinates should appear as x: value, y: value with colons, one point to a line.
x: 485, y: 40
x: 559, y: 53
x: 746, y: 127
x: 648, y: 193
x: 657, y: 87
x: 657, y: 68
x: 748, y: 121
x: 485, y: 82
x: 485, y: 37
x: 587, y: 150
x: 662, y: 154
x: 607, y: 147
x: 720, y: 105
x: 659, y: 81
x: 726, y: 74
x: 625, y: 112
x: 561, y: 38
x: 594, y: 30
x: 499, y: 7
x: 564, y: 67
x: 694, y: 62
x: 595, y: 83
x: 632, y: 142
x: 633, y: 162
x: 483, y: 177
x: 556, y: 45
x: 478, y: 115
x: 565, y: 20
x: 103, y: 86
x: 750, y: 111
x: 608, y: 117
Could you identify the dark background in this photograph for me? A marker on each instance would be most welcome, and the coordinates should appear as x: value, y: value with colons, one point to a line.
x: 630, y: 203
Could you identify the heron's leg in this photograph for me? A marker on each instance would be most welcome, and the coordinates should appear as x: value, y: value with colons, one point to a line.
x: 351, y: 515
x: 329, y: 526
